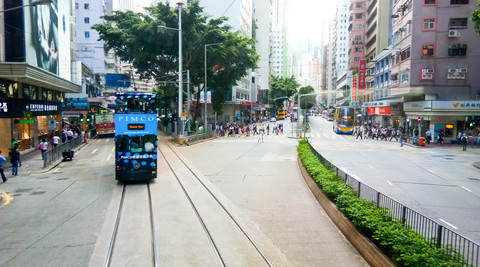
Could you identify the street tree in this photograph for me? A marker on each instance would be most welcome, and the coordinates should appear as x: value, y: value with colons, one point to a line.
x: 281, y: 89
x: 152, y: 49
x: 476, y: 18
x: 307, y: 102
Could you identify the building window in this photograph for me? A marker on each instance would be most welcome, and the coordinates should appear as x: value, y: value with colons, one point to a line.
x: 86, y: 20
x: 457, y: 23
x: 458, y: 2
x: 358, y: 27
x: 86, y: 6
x: 357, y: 49
x: 429, y: 2
x: 76, y: 5
x: 428, y: 50
x: 405, y: 54
x: 358, y: 5
x: 356, y: 59
x: 455, y: 50
x: 87, y: 34
x: 358, y: 15
x: 429, y: 24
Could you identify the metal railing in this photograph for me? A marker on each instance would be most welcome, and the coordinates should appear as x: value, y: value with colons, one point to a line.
x: 192, y: 138
x: 53, y: 154
x: 435, y: 233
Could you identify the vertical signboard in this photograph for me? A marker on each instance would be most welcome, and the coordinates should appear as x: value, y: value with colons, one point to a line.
x: 202, y: 97
x: 354, y: 88
x: 209, y: 96
x: 361, y: 74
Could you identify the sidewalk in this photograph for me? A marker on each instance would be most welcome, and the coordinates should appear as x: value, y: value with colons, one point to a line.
x: 31, y: 163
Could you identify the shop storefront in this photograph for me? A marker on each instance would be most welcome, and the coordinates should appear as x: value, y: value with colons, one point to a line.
x: 449, y: 117
x: 384, y: 113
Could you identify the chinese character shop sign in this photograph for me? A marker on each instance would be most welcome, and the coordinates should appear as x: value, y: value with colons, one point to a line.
x: 354, y: 87
x: 362, y: 68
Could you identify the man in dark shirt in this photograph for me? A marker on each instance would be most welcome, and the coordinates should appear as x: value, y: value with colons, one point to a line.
x: 15, y: 160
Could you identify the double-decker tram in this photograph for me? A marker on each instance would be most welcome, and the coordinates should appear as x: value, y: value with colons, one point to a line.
x: 344, y: 120
x: 135, y: 136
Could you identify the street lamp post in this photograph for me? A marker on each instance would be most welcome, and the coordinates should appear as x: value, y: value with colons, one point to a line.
x: 205, y: 89
x: 180, y: 70
x: 180, y: 66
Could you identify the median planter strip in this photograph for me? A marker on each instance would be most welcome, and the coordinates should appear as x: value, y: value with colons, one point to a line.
x: 380, y: 239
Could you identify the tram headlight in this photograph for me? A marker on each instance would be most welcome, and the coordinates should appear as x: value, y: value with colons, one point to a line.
x: 136, y: 165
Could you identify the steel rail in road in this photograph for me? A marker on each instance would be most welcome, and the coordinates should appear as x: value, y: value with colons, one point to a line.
x: 117, y: 224
x: 249, y: 238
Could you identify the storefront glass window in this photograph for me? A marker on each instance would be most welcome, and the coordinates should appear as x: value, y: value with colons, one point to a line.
x: 59, y: 97
x: 12, y: 90
x: 50, y: 95
x: 44, y: 94
x: 25, y: 134
x: 42, y: 127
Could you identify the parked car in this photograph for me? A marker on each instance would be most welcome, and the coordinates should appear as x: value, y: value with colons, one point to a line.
x: 273, y: 119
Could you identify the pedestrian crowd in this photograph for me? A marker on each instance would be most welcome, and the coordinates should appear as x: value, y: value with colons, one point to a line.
x: 251, y: 129
x: 372, y: 131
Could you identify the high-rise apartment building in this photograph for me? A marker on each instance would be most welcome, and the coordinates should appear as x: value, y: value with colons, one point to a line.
x: 357, y: 33
x: 433, y: 62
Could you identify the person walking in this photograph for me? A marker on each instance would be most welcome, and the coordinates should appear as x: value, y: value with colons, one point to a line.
x: 429, y: 136
x: 14, y: 156
x: 43, y: 147
x: 393, y: 135
x: 464, y: 141
x: 55, y: 139
x: 260, y: 136
x: 2, y: 160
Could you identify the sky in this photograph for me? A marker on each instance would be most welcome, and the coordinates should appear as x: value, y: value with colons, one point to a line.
x: 308, y: 16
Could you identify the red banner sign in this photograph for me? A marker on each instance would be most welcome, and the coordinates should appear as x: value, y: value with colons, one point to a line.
x: 362, y: 68
x: 380, y: 111
x: 354, y: 88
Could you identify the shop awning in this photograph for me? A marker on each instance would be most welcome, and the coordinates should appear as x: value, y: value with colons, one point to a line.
x: 25, y: 73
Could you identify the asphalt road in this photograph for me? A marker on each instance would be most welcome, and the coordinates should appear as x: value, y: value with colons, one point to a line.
x: 437, y: 181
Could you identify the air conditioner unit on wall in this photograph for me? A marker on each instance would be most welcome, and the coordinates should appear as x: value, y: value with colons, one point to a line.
x: 453, y: 46
x: 430, y: 71
x: 453, y: 33
x: 462, y: 70
x: 451, y: 70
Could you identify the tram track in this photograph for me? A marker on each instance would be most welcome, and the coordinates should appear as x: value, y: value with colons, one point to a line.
x: 215, y: 246
x: 113, y: 246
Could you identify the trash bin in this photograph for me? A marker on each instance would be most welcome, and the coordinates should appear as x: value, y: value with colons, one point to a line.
x: 421, y: 141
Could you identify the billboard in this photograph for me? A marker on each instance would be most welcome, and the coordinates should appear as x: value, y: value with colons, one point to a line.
x: 47, y: 37
x: 361, y: 74
x: 117, y: 80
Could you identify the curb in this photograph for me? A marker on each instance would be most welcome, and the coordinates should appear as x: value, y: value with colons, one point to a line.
x: 369, y: 251
x: 476, y: 164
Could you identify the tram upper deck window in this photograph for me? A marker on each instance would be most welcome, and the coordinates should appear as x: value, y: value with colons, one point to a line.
x: 132, y: 105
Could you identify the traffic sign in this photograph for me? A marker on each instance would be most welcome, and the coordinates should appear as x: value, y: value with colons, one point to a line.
x: 419, y: 119
x: 52, y: 125
x: 183, y: 114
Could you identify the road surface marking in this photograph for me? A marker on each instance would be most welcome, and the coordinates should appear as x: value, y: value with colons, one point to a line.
x: 113, y: 149
x: 371, y: 167
x: 108, y: 158
x: 449, y: 224
x: 431, y: 171
x: 466, y: 189
x: 93, y: 152
x: 6, y: 197
x: 390, y: 183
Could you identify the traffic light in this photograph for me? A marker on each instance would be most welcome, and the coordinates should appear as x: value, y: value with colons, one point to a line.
x: 325, y: 104
x: 472, y: 124
x: 82, y: 118
x: 104, y: 111
x: 88, y: 119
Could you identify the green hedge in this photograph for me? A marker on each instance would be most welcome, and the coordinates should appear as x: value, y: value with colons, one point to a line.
x: 403, y: 245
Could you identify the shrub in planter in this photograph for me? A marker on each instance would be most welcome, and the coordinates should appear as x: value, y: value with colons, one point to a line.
x: 403, y: 245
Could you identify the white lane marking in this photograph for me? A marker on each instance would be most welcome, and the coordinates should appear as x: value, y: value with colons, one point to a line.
x: 113, y: 149
x: 431, y: 171
x: 371, y: 167
x: 390, y: 183
x: 108, y: 158
x: 466, y: 189
x: 94, y: 151
x: 449, y: 224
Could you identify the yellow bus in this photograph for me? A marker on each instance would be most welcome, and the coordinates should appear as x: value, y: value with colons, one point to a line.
x: 281, y: 114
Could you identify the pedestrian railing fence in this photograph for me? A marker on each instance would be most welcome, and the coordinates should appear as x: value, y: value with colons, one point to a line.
x: 432, y: 231
x: 53, y: 154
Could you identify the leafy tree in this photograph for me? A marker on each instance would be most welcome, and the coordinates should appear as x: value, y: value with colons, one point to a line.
x: 476, y: 18
x: 307, y: 102
x: 281, y: 88
x: 153, y: 50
